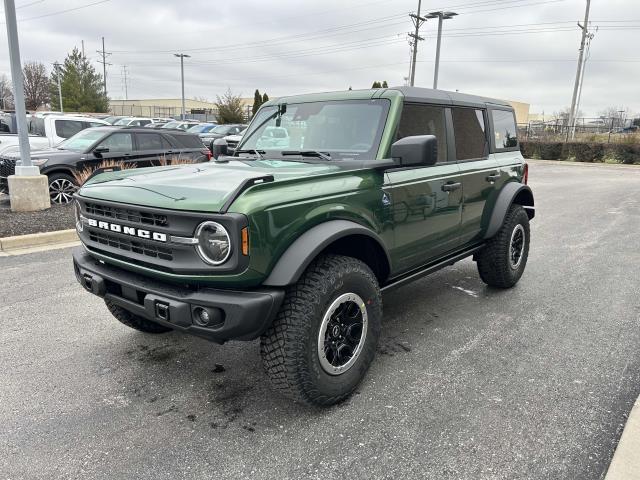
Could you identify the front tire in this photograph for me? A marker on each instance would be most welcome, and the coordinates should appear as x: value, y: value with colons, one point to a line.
x: 324, y: 338
x: 502, y: 261
x: 62, y: 187
x: 134, y: 321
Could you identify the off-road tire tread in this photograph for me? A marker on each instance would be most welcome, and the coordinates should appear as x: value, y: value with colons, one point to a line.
x: 492, y: 260
x: 134, y: 321
x: 283, y: 345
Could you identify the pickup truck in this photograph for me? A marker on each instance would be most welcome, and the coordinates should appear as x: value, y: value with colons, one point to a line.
x: 49, y: 130
x: 295, y: 242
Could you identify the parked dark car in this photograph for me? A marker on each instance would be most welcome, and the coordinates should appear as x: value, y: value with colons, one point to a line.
x: 221, y: 131
x: 77, y: 156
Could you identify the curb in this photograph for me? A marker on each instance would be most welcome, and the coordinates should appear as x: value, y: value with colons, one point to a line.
x: 625, y: 464
x: 13, y: 245
x: 630, y: 166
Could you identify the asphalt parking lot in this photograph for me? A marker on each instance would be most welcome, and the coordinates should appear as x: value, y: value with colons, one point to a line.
x: 469, y: 382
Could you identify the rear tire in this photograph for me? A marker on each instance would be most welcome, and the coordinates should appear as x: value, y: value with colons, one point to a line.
x: 502, y: 261
x: 324, y: 338
x: 134, y: 321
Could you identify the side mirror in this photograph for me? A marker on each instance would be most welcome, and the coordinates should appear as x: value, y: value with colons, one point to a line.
x: 415, y: 151
x: 219, y: 148
x: 100, y: 150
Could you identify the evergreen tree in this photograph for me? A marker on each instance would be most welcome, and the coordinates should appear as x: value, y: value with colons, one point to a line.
x: 385, y: 84
x: 82, y: 89
x: 257, y: 101
x: 230, y: 108
x: 376, y: 84
x: 265, y: 98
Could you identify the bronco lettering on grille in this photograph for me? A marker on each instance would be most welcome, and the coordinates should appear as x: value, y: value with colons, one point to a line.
x: 134, y: 232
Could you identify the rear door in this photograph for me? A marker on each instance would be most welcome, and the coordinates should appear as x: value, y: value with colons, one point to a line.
x: 425, y: 201
x: 478, y: 169
x: 504, y: 144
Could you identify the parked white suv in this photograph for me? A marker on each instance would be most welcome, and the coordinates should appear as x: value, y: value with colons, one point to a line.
x: 49, y: 130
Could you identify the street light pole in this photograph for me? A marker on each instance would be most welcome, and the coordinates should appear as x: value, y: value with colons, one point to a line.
x: 28, y: 189
x: 18, y: 91
x: 441, y: 16
x: 182, y: 57
x: 57, y: 65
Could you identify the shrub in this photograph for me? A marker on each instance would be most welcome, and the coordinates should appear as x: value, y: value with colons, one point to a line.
x: 583, y: 152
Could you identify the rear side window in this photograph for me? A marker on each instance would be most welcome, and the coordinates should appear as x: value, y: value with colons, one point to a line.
x: 424, y: 120
x: 187, y: 141
x: 68, y: 128
x: 504, y: 129
x: 468, y: 128
x: 150, y: 141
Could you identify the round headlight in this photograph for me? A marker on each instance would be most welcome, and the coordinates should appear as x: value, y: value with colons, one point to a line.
x: 77, y: 212
x: 214, y: 244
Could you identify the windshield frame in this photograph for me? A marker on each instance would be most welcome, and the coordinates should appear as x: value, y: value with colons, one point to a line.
x: 262, y: 120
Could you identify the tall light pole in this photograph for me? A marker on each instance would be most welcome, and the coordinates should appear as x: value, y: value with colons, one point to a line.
x: 182, y: 57
x: 28, y: 189
x: 441, y: 16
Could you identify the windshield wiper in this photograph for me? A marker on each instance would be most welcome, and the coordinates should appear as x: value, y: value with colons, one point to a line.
x: 259, y: 153
x: 308, y: 153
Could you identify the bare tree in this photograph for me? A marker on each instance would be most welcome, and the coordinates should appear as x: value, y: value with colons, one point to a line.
x: 36, y: 85
x: 6, y: 94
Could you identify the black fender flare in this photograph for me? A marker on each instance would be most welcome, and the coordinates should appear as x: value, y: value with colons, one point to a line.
x: 506, y: 197
x: 294, y: 261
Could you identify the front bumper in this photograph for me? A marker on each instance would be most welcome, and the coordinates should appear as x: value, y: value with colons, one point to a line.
x: 244, y: 315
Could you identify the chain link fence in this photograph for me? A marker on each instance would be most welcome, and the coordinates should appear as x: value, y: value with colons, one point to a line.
x: 596, y: 130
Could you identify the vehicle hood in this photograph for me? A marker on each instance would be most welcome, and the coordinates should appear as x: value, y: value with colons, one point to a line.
x: 202, y: 187
x: 49, y: 153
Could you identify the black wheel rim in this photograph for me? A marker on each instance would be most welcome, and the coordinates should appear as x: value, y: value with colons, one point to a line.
x: 61, y: 190
x: 342, y: 333
x: 516, y: 246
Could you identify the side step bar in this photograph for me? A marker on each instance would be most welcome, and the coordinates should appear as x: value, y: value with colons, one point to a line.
x: 430, y: 268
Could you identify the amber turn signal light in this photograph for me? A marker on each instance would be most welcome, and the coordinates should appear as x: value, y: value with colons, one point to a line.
x: 245, y: 241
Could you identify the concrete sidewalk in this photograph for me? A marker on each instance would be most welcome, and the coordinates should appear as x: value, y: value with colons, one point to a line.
x: 626, y: 460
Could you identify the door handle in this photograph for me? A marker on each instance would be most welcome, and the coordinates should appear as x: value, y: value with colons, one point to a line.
x: 451, y: 186
x: 493, y: 177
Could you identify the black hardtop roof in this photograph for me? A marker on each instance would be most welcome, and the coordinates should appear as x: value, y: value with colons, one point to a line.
x: 429, y: 95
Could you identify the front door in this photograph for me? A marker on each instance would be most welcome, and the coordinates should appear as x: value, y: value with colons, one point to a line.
x: 425, y: 201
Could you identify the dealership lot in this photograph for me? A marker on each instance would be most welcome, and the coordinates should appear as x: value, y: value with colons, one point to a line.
x: 469, y: 382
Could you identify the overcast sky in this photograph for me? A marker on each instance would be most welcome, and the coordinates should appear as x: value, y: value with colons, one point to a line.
x: 523, y: 50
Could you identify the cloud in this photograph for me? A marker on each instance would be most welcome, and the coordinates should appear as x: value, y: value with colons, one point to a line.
x: 523, y: 50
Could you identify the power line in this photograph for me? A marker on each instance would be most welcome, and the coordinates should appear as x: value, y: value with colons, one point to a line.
x: 60, y: 12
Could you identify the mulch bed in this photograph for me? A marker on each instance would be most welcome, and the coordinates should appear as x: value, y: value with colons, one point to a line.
x: 58, y: 217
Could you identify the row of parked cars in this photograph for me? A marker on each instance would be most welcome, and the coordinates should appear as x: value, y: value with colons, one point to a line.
x: 67, y: 148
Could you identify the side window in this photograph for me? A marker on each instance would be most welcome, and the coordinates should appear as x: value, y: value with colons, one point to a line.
x: 118, y: 142
x: 68, y: 128
x: 424, y: 120
x: 504, y: 129
x: 149, y: 141
x: 142, y: 123
x: 468, y: 128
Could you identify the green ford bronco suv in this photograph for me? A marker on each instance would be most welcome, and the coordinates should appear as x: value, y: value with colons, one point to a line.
x: 329, y: 200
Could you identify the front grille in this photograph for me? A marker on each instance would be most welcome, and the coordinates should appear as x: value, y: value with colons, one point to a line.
x: 7, y: 166
x: 126, y: 214
x: 141, y: 248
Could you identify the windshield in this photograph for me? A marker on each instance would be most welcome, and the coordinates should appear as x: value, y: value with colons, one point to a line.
x: 81, y: 141
x: 222, y: 129
x: 200, y: 128
x: 343, y: 129
x: 123, y: 121
x: 171, y: 125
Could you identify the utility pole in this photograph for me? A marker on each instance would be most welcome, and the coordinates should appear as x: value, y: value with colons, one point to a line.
x: 574, y: 99
x: 182, y: 57
x: 57, y: 67
x: 28, y: 189
x: 584, y: 68
x: 104, y: 66
x: 124, y: 79
x: 417, y: 22
x: 441, y: 16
